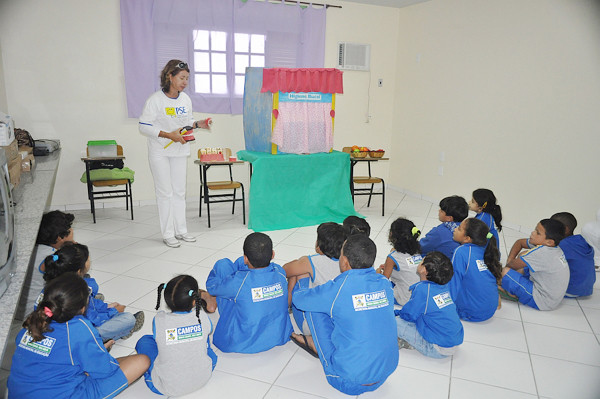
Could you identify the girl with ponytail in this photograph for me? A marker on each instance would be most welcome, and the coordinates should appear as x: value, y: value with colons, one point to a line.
x: 401, y: 264
x: 181, y: 358
x: 483, y: 203
x: 477, y: 271
x: 60, y: 354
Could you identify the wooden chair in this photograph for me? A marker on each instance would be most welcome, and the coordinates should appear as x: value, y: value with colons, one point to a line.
x: 124, y: 192
x: 372, y: 180
x: 207, y: 186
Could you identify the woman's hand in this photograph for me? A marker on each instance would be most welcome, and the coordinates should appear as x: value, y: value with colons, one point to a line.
x: 175, y: 136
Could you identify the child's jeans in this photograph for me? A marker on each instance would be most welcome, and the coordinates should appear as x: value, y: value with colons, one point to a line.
x: 117, y: 326
x: 408, y: 332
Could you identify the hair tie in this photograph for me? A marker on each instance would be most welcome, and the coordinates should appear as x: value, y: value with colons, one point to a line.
x: 484, y: 204
x: 164, y: 286
x: 55, y: 257
x: 191, y: 292
x: 415, y: 231
x: 489, y: 235
x: 47, y: 311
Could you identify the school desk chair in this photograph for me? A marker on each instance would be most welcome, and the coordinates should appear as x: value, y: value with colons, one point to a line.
x: 231, y: 185
x: 369, y: 180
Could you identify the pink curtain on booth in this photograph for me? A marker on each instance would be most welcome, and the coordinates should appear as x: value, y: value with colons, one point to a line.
x: 302, y: 80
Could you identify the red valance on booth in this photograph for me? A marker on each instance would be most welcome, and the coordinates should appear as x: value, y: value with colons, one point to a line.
x: 302, y: 80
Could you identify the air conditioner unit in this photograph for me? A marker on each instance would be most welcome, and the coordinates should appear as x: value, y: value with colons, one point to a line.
x: 353, y: 56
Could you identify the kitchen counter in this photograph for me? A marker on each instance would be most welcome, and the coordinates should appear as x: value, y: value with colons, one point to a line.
x: 32, y: 198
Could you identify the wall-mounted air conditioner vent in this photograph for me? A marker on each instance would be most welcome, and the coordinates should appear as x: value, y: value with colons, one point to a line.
x: 353, y: 56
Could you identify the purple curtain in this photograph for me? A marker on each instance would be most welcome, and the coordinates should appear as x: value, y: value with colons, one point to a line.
x: 155, y: 31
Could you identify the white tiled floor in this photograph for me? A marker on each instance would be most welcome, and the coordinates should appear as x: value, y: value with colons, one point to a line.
x: 520, y: 353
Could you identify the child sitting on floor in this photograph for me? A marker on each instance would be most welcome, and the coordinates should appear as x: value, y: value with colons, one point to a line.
x: 251, y: 297
x: 453, y: 210
x: 483, y: 203
x: 181, y: 359
x: 580, y: 257
x: 351, y: 319
x: 477, y: 271
x: 55, y: 229
x: 401, y: 264
x: 111, y: 320
x: 429, y: 322
x: 311, y: 271
x: 538, y: 277
x: 356, y: 225
x: 60, y: 355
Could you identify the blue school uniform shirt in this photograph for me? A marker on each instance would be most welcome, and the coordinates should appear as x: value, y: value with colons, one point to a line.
x: 56, y: 367
x: 432, y: 310
x: 440, y: 239
x: 473, y: 287
x: 360, y: 303
x: 253, y: 306
x: 580, y: 257
x: 490, y: 223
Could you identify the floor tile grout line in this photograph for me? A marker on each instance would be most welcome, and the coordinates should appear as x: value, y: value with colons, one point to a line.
x: 588, y: 321
x: 496, y: 386
x: 537, y: 391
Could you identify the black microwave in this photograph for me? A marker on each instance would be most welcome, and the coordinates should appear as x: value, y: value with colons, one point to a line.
x: 7, y: 227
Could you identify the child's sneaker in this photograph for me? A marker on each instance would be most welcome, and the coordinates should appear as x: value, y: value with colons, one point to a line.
x: 402, y: 344
x: 99, y: 297
x: 139, y: 322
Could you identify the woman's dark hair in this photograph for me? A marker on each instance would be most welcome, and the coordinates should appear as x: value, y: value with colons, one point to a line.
x: 555, y: 230
x: 360, y: 251
x: 64, y: 297
x: 177, y: 295
x: 54, y: 225
x: 402, y: 238
x: 478, y: 231
x: 330, y: 238
x: 487, y: 201
x: 258, y: 248
x: 356, y: 225
x: 70, y: 258
x: 456, y: 207
x: 172, y: 68
x: 439, y: 268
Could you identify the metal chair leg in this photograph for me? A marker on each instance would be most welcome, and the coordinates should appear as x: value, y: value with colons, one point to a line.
x: 233, y: 202
x: 370, y: 194
x: 243, y: 204
x: 130, y: 199
x: 382, y: 197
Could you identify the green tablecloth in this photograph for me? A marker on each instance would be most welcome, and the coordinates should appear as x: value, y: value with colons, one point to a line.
x: 290, y: 190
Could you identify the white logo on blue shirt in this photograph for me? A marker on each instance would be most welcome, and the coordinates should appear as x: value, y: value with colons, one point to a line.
x: 372, y: 300
x: 183, y: 334
x: 265, y: 293
x: 481, y: 265
x: 442, y: 300
x: 43, y: 347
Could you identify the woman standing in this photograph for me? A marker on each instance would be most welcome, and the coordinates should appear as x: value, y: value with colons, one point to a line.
x: 165, y: 113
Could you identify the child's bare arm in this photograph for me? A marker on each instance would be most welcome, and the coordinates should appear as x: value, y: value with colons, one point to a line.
x: 387, y: 267
x: 516, y: 264
x: 298, y: 267
x: 516, y: 248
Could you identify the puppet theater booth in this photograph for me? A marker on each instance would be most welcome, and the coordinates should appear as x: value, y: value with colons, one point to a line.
x: 297, y: 179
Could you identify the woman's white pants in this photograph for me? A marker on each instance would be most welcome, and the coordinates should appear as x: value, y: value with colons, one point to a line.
x: 169, y: 185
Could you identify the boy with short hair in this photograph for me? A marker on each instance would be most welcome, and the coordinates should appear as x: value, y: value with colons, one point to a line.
x: 538, y: 277
x: 453, y: 210
x: 313, y: 270
x: 251, y: 298
x: 429, y: 321
x: 351, y: 319
x: 356, y: 225
x: 580, y: 257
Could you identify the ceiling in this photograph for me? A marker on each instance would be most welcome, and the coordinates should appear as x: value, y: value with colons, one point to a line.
x: 387, y: 3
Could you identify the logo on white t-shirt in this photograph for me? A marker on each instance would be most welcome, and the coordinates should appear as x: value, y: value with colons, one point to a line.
x: 43, y: 347
x: 183, y: 334
x: 481, y: 265
x: 265, y: 293
x: 369, y: 301
x: 414, y: 260
x: 442, y: 300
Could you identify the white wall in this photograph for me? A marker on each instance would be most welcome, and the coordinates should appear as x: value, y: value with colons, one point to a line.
x: 510, y: 92
x: 63, y: 70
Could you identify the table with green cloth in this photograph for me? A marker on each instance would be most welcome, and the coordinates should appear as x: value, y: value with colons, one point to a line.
x: 292, y: 190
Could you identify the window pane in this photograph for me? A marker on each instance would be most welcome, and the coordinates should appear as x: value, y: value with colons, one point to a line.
x: 239, y: 85
x: 257, y: 44
x: 219, y: 62
x: 242, y: 41
x: 219, y: 84
x: 257, y: 60
x: 241, y: 62
x: 218, y: 41
x: 202, y: 83
x: 201, y: 63
x: 200, y: 40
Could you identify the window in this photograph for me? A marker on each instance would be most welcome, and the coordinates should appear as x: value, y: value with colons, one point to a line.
x: 211, y: 59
